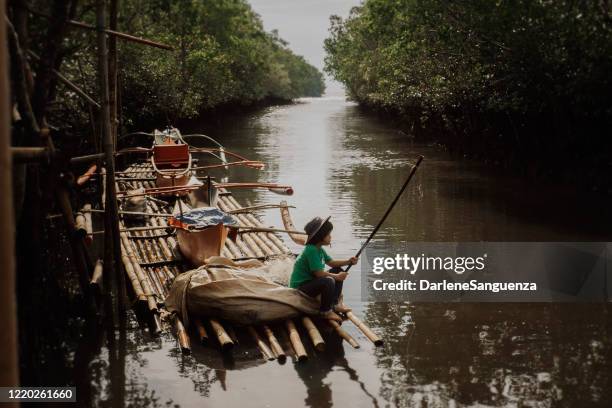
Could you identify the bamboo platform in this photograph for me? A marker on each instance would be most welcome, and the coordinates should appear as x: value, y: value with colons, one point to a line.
x: 151, y: 261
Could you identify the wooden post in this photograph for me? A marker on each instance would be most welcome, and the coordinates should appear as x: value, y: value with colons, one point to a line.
x: 9, y: 369
x: 112, y: 250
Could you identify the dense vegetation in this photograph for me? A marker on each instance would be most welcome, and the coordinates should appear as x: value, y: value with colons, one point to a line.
x: 222, y: 56
x: 527, y: 79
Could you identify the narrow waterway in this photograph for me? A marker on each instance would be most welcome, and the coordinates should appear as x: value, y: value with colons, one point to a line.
x: 345, y: 163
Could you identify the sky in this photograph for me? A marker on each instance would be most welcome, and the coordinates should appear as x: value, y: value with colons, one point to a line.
x: 304, y: 24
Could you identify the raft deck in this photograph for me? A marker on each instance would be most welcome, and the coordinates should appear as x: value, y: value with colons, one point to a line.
x: 149, y: 256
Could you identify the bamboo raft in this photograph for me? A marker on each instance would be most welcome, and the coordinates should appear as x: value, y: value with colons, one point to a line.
x: 149, y: 256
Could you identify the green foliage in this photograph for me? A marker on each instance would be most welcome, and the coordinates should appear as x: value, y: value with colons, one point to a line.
x: 524, y: 56
x: 222, y: 56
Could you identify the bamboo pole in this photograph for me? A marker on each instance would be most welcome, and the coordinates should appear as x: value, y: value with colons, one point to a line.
x: 76, y: 244
x: 129, y: 270
x: 88, y: 158
x: 163, y: 215
x: 272, y: 242
x: 30, y: 154
x: 365, y: 329
x: 86, y: 210
x: 248, y: 163
x: 118, y: 34
x: 112, y: 254
x: 278, y: 351
x: 85, y: 177
x: 224, y: 340
x: 9, y: 366
x: 313, y: 333
x: 73, y: 87
x: 254, y: 249
x: 156, y: 323
x: 288, y: 223
x: 112, y: 72
x: 202, y: 334
x: 263, y: 347
x: 182, y: 336
x: 96, y: 276
x: 129, y: 258
x: 255, y: 208
x: 79, y: 225
x: 296, y: 342
x: 272, y: 237
x: 349, y: 339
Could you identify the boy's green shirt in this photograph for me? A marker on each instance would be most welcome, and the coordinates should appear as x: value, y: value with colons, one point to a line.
x: 310, y: 260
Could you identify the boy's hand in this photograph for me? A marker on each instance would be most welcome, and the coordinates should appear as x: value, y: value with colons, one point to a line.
x: 340, y: 276
x: 353, y: 260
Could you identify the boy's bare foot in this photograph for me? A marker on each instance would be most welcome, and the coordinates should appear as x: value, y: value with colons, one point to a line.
x: 342, y: 308
x: 331, y: 315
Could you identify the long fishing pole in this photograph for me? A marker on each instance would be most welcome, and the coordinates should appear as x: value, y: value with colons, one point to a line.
x: 384, y: 217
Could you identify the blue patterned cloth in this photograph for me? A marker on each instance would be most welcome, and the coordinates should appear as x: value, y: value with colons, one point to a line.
x: 205, y: 217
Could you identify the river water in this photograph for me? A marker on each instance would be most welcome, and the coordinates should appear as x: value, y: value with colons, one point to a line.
x: 345, y: 163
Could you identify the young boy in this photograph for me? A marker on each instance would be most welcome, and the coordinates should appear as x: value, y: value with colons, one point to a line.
x: 308, y: 273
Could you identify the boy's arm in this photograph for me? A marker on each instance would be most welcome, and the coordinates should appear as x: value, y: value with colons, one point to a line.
x: 322, y: 274
x: 337, y: 263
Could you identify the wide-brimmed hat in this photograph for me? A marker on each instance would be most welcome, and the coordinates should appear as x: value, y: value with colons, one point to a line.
x: 314, y: 226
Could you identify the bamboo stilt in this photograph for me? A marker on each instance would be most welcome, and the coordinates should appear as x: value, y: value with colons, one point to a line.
x: 365, y: 329
x: 224, y: 339
x: 278, y: 351
x: 313, y: 332
x: 263, y: 347
x: 349, y: 339
x: 296, y: 342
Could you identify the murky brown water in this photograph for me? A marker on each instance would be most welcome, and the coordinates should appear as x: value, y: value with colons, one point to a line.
x: 349, y: 165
